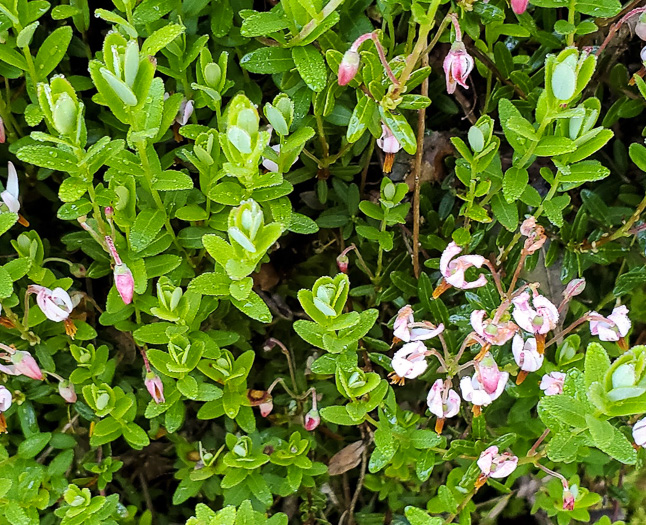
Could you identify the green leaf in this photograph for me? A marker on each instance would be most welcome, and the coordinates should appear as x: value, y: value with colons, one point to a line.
x: 608, y: 439
x: 52, y: 51
x: 49, y: 157
x: 147, y: 226
x: 337, y: 415
x: 161, y: 38
x: 311, y: 66
x: 254, y: 307
x: 551, y: 146
x: 597, y: 363
x: 514, y: 183
x: 362, y: 115
x: 172, y: 180
x: 263, y: 24
x: 554, y: 209
x: 268, y: 60
x: 401, y: 129
x: 33, y: 445
x: 6, y: 283
x: 563, y: 408
x: 506, y: 213
x: 629, y: 281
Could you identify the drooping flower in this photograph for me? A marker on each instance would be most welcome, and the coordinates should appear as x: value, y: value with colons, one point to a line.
x: 442, y: 404
x: 185, y: 112
x: 639, y: 432
x: 535, y: 234
x: 526, y: 356
x: 5, y: 399
x: 492, y: 464
x: 519, y: 6
x: 56, y: 304
x: 538, y: 318
x: 266, y: 407
x: 496, y: 334
x: 349, y: 66
x: 67, y: 392
x: 452, y: 269
x: 568, y: 498
x: 613, y: 328
x: 552, y: 383
x: 409, y: 361
x: 458, y: 64
x: 389, y: 144
x: 123, y: 278
x: 406, y: 329
x: 474, y: 391
x: 312, y: 420
x: 10, y: 195
x: 155, y: 387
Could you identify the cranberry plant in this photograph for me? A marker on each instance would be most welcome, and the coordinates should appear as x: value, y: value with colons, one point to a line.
x: 309, y: 262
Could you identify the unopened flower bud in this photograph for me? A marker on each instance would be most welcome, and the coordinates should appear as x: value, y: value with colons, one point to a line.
x: 519, y: 6
x: 639, y: 432
x: 640, y: 28
x: 342, y: 262
x: 574, y: 288
x: 125, y: 282
x: 78, y: 270
x: 26, y: 365
x: 266, y: 407
x: 3, y: 135
x: 109, y: 212
x: 348, y: 67
x: 312, y: 420
x: 155, y: 387
x: 67, y: 392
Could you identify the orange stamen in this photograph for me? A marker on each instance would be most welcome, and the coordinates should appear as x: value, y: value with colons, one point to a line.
x: 521, y: 377
x: 540, y: 343
x: 439, y: 425
x: 388, y: 162
x: 441, y: 288
x: 70, y: 328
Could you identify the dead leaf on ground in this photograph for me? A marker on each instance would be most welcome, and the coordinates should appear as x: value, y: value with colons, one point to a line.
x: 346, y: 459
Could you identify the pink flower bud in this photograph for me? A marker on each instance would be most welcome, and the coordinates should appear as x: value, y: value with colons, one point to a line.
x: 457, y: 66
x: 3, y: 135
x: 26, y: 365
x: 519, y: 6
x: 312, y: 420
x: 266, y: 408
x: 5, y: 399
x: 349, y: 66
x: 342, y: 262
x: 67, y: 392
x: 124, y: 282
x: 155, y: 387
x: 185, y: 112
x: 640, y: 29
x: 574, y: 288
x: 109, y: 212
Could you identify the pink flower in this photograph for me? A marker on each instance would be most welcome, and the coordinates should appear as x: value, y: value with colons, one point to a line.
x: 5, y: 399
x: 535, y: 234
x: 452, y: 270
x: 489, y: 374
x: 400, y: 327
x: 526, y: 355
x: 539, y: 319
x: 266, y: 407
x: 26, y: 365
x: 639, y: 432
x: 3, y: 136
x: 312, y: 420
x: 10, y: 195
x: 56, y: 304
x: 438, y: 405
x: 457, y: 66
x: 349, y: 66
x: 389, y: 144
x: 473, y: 389
x: 614, y: 327
x: 342, y: 262
x: 519, y: 6
x: 67, y: 392
x: 552, y: 383
x: 495, y: 465
x: 640, y: 28
x: 125, y: 282
x: 496, y: 334
x: 155, y: 387
x: 409, y: 361
x: 406, y: 329
x: 185, y: 112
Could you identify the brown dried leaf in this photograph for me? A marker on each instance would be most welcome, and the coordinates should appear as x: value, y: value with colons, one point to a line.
x: 346, y: 459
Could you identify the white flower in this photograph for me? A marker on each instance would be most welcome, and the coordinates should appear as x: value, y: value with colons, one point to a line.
x: 410, y: 361
x: 11, y: 194
x: 525, y: 354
